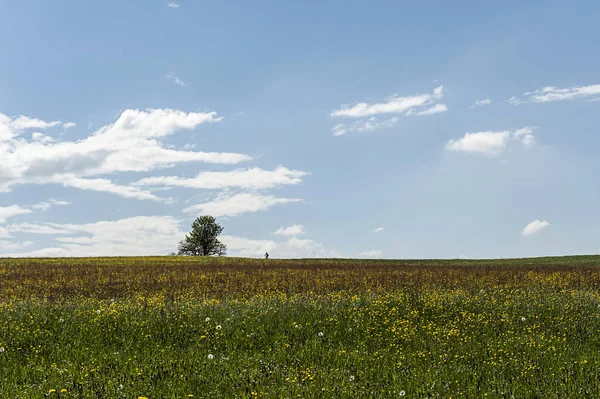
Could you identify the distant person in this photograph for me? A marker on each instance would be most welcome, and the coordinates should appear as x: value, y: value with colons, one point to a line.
x: 266, y: 255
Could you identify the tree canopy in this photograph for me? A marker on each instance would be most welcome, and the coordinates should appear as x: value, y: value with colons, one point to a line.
x: 203, y: 239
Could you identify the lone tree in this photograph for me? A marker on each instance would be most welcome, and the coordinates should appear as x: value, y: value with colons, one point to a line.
x: 202, y: 240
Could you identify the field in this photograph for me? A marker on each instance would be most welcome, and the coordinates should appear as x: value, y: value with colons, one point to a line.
x: 177, y: 327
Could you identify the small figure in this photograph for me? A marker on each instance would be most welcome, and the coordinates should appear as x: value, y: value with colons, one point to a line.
x: 266, y: 255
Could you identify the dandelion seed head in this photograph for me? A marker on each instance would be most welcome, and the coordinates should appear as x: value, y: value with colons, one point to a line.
x: 210, y: 356
x: 320, y: 334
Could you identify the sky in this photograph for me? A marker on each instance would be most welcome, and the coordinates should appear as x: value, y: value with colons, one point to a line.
x: 358, y: 129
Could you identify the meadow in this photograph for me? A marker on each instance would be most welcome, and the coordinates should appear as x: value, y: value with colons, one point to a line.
x: 180, y: 327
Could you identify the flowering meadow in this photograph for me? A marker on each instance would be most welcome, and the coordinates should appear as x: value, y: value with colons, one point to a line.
x: 181, y: 327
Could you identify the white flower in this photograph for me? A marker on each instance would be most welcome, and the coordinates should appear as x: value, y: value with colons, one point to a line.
x: 320, y: 334
x: 120, y: 386
x: 351, y: 378
x: 218, y: 327
x: 350, y: 329
x: 296, y: 326
x: 2, y: 350
x: 61, y: 320
x: 402, y: 393
x: 522, y: 318
x: 227, y: 319
x: 98, y: 311
x: 207, y: 319
x: 210, y: 356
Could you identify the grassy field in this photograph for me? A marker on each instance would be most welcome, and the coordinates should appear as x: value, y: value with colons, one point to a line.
x: 173, y: 327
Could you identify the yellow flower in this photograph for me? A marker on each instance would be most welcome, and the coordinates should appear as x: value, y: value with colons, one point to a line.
x: 63, y: 390
x: 52, y: 391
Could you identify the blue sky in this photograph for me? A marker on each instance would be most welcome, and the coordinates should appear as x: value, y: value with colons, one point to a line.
x: 309, y: 129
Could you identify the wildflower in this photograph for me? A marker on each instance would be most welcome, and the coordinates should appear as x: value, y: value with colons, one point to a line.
x: 52, y: 391
x: 190, y: 395
x: 61, y: 320
x: 351, y: 378
x: 402, y: 393
x: 218, y: 327
x: 320, y: 334
x: 142, y: 397
x: 296, y: 326
x: 120, y: 386
x: 210, y: 356
x: 98, y: 311
x: 350, y: 329
x: 207, y: 319
x: 522, y: 318
x: 2, y: 349
x: 63, y: 390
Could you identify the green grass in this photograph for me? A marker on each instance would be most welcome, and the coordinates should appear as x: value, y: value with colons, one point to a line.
x: 525, y: 328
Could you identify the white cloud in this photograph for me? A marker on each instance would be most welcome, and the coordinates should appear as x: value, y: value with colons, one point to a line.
x: 491, y: 142
x: 142, y: 235
x: 366, y: 125
x: 239, y: 246
x: 175, y: 78
x: 534, y: 227
x: 131, y: 144
x: 420, y: 104
x: 69, y: 125
x: 13, y: 246
x: 292, y: 248
x: 436, y: 109
x: 370, y: 254
x: 481, y: 103
x: 33, y: 228
x: 253, y: 178
x: 293, y: 230
x: 514, y: 101
x: 24, y: 122
x: 42, y: 138
x: 7, y: 212
x: 379, y: 230
x: 233, y: 205
x: 46, y: 205
x: 549, y: 93
x: 526, y: 136
x: 173, y: 5
x: 394, y: 105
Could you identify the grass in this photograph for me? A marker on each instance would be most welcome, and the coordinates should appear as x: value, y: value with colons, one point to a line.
x: 170, y: 327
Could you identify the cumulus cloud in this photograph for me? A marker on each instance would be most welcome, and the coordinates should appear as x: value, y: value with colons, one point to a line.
x: 293, y: 247
x: 379, y: 230
x: 133, y: 143
x: 252, y: 178
x: 7, y: 212
x: 481, y: 103
x: 293, y: 230
x: 233, y: 205
x: 419, y: 104
x: 550, y: 93
x: 175, y: 79
x: 141, y: 235
x: 534, y: 227
x: 491, y: 142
